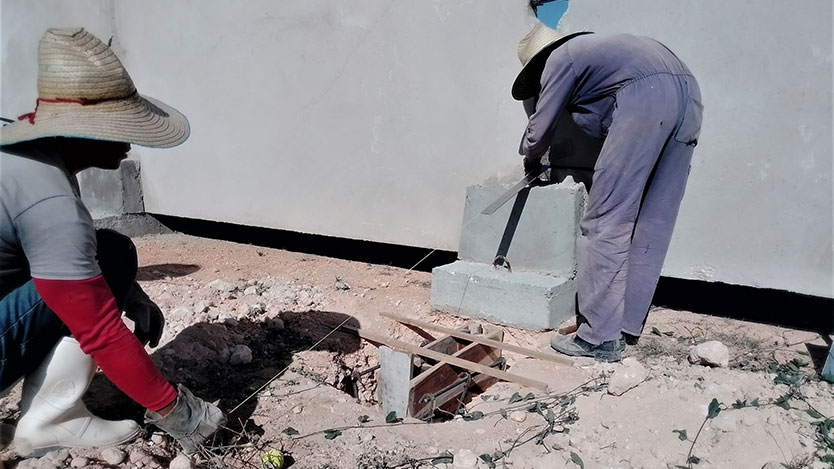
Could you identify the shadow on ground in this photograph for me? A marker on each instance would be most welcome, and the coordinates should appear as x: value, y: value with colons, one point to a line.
x: 161, y: 271
x: 199, y: 359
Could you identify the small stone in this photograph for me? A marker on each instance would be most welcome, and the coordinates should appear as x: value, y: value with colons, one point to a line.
x: 341, y: 285
x: 181, y: 462
x: 298, y: 409
x: 560, y: 441
x: 474, y: 328
x: 136, y: 456
x: 518, y: 416
x: 157, y: 438
x: 112, y: 456
x: 256, y: 309
x: 80, y: 462
x: 58, y: 457
x: 366, y: 437
x: 275, y: 324
x: 725, y: 422
x: 253, y: 290
x: 712, y: 353
x: 221, y: 286
x: 178, y: 313
x: 384, y: 284
x: 240, y: 355
x: 201, y: 307
x: 627, y: 376
x: 465, y: 459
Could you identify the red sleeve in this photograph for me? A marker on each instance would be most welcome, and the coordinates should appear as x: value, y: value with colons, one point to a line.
x: 88, y: 308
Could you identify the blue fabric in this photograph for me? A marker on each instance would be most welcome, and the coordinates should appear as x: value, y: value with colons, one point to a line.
x: 29, y: 329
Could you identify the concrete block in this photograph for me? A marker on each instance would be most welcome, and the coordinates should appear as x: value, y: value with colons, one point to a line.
x: 537, y: 230
x: 533, y: 300
x: 108, y: 193
x: 394, y: 381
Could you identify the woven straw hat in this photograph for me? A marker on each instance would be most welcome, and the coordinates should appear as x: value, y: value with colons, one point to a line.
x: 531, y: 50
x: 84, y: 91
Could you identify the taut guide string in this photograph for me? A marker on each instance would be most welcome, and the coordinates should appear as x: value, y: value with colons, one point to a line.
x: 350, y: 316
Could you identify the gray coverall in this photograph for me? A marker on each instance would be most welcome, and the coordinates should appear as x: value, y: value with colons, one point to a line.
x: 643, y: 101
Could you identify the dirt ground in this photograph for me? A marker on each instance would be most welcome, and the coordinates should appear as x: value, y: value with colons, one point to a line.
x: 243, y: 329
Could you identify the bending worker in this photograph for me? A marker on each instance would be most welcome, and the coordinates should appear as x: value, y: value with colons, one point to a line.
x: 63, y: 284
x: 634, y: 93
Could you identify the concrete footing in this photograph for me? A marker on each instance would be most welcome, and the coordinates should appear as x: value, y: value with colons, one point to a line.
x: 530, y: 300
x: 114, y: 199
x: 536, y: 233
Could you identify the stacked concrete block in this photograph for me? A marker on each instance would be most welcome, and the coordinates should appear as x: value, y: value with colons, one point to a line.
x: 536, y: 234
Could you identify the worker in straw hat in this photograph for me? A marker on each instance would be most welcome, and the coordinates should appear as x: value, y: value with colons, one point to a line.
x: 637, y: 96
x: 62, y: 283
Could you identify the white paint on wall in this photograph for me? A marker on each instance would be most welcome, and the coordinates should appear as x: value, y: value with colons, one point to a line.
x: 368, y: 119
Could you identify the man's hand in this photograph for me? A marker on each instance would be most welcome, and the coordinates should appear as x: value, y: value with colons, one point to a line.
x: 532, y: 166
x: 145, y: 314
x: 191, y: 421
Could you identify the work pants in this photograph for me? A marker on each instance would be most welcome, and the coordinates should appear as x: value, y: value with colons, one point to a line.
x: 638, y: 184
x: 29, y: 329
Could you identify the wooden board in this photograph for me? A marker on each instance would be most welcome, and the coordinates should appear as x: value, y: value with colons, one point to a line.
x: 475, y: 338
x: 440, y: 357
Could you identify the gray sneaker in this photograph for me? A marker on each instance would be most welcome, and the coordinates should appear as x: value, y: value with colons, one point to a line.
x: 574, y: 346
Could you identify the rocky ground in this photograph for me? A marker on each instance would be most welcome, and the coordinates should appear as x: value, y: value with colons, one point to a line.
x: 250, y: 328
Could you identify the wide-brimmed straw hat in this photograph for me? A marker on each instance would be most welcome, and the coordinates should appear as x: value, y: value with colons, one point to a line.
x: 533, y: 50
x: 84, y: 91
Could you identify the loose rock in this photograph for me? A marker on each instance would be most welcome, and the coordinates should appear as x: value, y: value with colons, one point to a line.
x: 465, y: 459
x: 112, y: 456
x: 240, y: 355
x: 712, y: 353
x: 627, y: 376
x: 221, y: 286
x: 253, y: 290
x: 275, y: 324
x: 181, y: 462
x: 80, y: 462
x: 518, y: 416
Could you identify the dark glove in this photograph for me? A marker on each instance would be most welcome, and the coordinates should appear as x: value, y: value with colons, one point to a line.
x: 145, y: 314
x: 190, y: 422
x: 532, y: 166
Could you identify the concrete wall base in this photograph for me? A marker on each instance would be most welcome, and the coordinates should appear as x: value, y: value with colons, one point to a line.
x: 531, y: 300
x: 133, y: 224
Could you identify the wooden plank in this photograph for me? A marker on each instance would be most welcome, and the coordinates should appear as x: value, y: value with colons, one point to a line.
x: 474, y: 338
x: 440, y: 357
x: 394, y: 380
x: 443, y: 375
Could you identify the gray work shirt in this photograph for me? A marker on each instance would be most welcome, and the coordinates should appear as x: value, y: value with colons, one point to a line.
x: 45, y: 230
x: 583, y: 76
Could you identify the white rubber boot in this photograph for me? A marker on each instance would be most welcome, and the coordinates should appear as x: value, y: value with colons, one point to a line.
x: 52, y: 413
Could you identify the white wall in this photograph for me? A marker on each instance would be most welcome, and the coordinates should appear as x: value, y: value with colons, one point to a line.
x: 367, y: 119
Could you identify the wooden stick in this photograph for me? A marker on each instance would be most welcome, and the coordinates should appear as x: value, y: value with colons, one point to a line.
x: 442, y: 357
x: 480, y: 340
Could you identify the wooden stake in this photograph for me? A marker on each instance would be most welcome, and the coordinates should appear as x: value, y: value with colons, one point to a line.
x: 480, y: 340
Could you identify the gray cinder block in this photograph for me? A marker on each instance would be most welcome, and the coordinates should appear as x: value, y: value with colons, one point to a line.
x: 544, y: 235
x: 536, y: 232
x: 530, y: 300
